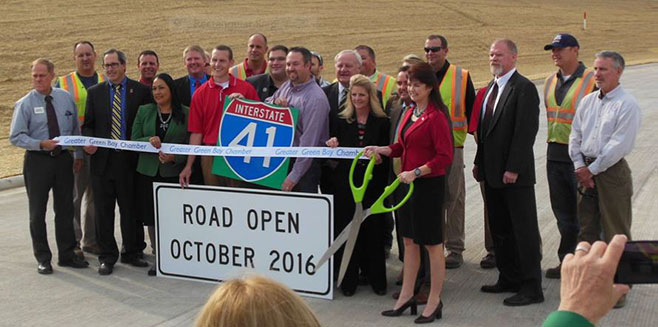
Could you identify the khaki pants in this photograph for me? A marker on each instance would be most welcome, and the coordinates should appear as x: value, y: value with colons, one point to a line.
x: 215, y: 180
x: 606, y: 209
x: 84, y: 225
x: 454, y: 204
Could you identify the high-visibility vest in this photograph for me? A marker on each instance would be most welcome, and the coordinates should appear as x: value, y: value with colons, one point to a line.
x: 241, y: 73
x: 74, y: 86
x: 385, y: 84
x: 561, y: 116
x: 453, y: 94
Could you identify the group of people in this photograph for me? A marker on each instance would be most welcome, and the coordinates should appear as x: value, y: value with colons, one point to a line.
x: 415, y: 124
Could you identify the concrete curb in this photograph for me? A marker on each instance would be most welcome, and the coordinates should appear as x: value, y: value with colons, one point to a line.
x: 11, y: 182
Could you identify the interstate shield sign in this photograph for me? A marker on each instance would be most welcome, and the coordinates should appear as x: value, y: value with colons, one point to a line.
x: 252, y: 123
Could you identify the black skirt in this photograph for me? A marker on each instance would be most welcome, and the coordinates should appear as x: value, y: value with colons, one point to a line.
x: 144, y: 196
x: 421, y: 218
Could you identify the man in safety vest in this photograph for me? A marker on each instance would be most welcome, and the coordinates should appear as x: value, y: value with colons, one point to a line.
x: 255, y: 63
x: 384, y: 83
x: 458, y: 94
x: 562, y: 93
x: 77, y: 83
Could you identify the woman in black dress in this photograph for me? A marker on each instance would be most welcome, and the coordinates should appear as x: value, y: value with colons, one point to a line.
x: 425, y: 146
x: 362, y: 122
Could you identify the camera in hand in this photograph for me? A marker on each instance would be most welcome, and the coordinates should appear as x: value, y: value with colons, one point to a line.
x: 638, y: 263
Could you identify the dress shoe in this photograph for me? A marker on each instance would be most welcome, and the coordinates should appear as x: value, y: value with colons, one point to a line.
x: 74, y: 262
x: 347, y: 293
x: 151, y: 271
x: 554, y: 273
x: 380, y: 292
x: 621, y: 302
x: 105, y: 269
x: 411, y: 303
x: 45, y: 268
x: 500, y: 288
x: 93, y: 249
x: 78, y: 252
x: 137, y: 262
x: 454, y: 260
x: 488, y: 262
x: 520, y: 299
x: 437, y: 314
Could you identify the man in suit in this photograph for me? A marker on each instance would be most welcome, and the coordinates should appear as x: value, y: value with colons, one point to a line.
x: 505, y: 162
x: 194, y: 60
x: 111, y: 109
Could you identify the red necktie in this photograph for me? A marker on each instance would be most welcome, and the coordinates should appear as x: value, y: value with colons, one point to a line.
x: 489, y: 107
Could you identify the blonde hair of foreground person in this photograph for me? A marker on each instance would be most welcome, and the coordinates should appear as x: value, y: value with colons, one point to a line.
x: 255, y: 302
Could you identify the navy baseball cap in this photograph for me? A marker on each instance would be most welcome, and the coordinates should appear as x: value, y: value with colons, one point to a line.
x: 562, y: 41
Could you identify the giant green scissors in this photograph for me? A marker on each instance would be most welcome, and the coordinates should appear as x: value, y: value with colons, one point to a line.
x: 351, y: 231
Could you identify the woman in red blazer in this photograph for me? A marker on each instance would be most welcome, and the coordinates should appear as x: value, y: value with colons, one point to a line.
x: 425, y: 147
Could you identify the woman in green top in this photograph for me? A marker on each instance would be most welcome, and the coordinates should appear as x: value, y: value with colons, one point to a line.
x: 164, y: 121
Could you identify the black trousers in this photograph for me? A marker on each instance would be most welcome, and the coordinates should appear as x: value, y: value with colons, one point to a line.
x: 116, y: 186
x: 515, y: 232
x: 41, y: 172
x: 563, y: 189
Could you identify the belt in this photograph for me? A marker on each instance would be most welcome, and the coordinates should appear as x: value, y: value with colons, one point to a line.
x: 589, y: 160
x: 57, y: 151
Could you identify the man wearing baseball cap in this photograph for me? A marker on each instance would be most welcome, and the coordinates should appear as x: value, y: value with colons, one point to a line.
x: 562, y: 93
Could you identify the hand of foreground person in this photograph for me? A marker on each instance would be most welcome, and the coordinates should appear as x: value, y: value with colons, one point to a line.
x: 587, y: 279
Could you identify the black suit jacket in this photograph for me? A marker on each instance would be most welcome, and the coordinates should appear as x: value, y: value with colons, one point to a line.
x: 263, y: 84
x: 332, y: 95
x: 506, y: 145
x: 98, y: 116
x: 182, y: 86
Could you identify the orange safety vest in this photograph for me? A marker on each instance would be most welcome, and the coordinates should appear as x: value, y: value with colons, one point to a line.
x: 453, y: 94
x: 241, y: 73
x: 384, y: 83
x: 74, y: 86
x: 561, y: 116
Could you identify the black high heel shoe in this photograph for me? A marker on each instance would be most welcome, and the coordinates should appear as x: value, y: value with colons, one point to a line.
x: 436, y: 314
x: 399, y: 311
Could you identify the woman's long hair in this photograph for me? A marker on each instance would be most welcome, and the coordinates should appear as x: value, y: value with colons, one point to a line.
x: 176, y: 107
x: 349, y: 113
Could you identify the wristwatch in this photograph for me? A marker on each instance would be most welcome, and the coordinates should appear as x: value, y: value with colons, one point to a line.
x: 417, y: 172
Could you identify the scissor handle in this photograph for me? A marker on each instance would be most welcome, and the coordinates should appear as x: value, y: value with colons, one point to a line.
x: 359, y: 192
x: 378, y: 206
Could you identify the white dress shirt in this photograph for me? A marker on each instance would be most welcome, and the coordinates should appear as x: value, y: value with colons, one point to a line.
x: 604, y: 128
x: 501, y: 81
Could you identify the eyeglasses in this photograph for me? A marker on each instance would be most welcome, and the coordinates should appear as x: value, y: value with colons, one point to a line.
x: 433, y: 49
x: 112, y: 65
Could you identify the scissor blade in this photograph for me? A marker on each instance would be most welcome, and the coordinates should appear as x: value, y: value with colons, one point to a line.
x: 338, y: 242
x: 359, y: 215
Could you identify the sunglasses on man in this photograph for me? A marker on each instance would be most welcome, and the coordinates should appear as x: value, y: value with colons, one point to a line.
x: 433, y: 49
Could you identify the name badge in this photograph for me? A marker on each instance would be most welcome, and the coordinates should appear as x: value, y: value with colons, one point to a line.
x: 38, y: 110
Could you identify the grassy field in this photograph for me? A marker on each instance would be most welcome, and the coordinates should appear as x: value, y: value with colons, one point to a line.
x: 32, y: 29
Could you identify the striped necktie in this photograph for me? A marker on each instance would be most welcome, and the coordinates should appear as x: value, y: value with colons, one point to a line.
x: 343, y: 99
x: 116, y: 113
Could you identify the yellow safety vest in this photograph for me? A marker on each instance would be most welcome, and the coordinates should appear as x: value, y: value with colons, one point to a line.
x: 241, y: 73
x: 73, y: 85
x: 385, y: 84
x: 453, y: 94
x: 561, y: 116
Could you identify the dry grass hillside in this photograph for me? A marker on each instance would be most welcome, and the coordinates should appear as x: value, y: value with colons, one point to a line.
x: 32, y: 28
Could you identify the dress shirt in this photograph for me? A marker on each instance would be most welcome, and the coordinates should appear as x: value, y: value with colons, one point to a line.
x: 123, y: 105
x: 193, y: 81
x: 312, y: 123
x: 29, y: 125
x: 501, y: 81
x: 604, y: 128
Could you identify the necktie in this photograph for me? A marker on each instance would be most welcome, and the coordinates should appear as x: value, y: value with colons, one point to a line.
x: 53, y: 126
x: 115, y: 131
x: 343, y: 98
x: 197, y: 83
x: 489, y: 107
